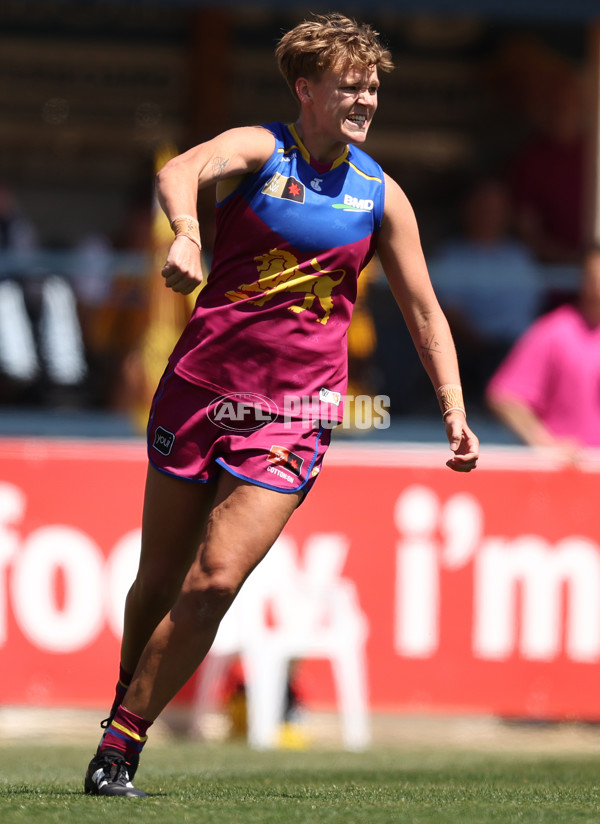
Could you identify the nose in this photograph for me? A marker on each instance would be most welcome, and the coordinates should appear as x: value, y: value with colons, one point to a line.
x: 367, y: 98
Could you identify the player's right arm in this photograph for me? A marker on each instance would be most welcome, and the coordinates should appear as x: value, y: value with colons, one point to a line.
x: 223, y: 161
x: 232, y: 154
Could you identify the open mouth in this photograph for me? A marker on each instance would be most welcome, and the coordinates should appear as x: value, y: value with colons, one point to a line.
x: 357, y: 119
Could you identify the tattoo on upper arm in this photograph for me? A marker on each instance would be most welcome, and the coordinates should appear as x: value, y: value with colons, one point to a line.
x: 218, y: 166
x: 429, y: 349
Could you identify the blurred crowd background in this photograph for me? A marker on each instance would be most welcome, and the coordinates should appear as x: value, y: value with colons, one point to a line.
x: 485, y: 123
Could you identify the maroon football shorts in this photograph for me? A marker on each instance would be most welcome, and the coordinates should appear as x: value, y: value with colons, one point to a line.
x: 192, y: 432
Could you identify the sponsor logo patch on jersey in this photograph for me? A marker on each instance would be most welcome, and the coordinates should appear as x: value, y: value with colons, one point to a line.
x: 328, y: 396
x: 355, y: 204
x: 287, y: 188
x: 280, y: 456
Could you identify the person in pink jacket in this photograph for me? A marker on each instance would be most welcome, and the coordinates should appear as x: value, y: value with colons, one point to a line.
x: 547, y: 390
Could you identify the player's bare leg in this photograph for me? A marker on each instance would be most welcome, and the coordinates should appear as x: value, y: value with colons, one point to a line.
x: 177, y: 523
x: 243, y: 524
x: 175, y: 513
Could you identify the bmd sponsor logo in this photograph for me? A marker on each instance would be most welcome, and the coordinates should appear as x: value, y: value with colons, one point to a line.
x: 355, y: 204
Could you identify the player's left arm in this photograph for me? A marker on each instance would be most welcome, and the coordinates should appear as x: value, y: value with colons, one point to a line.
x: 401, y: 255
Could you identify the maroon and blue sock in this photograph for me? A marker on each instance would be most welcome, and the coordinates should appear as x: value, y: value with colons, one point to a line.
x: 126, y: 733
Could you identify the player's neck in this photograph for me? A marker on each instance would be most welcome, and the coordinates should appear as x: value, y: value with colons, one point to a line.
x: 322, y: 150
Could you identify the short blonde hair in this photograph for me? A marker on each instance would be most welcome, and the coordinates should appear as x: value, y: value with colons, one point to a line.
x: 329, y: 41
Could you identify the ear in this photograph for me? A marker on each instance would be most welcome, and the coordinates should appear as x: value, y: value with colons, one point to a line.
x: 303, y: 90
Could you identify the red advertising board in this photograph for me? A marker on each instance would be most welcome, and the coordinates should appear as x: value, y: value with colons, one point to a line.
x: 477, y: 593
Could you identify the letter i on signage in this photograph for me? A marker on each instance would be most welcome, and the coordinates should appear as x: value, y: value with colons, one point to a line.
x: 416, y: 629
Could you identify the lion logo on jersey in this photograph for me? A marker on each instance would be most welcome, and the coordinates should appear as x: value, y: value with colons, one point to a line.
x: 279, y: 271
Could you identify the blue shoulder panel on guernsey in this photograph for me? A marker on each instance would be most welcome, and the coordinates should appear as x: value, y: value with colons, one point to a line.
x: 310, y: 209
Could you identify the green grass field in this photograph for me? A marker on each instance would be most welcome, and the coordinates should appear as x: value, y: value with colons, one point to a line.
x: 230, y: 784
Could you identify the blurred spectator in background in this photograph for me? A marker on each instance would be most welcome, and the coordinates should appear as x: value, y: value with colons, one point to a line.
x: 16, y: 232
x: 42, y: 355
x: 114, y: 298
x: 18, y: 357
x: 487, y: 283
x: 548, y: 389
x: 99, y: 296
x: 548, y: 173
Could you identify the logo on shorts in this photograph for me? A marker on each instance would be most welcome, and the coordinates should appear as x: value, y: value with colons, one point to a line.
x: 242, y: 411
x: 280, y: 456
x: 163, y: 441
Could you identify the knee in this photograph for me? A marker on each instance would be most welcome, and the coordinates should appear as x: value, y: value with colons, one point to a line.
x: 155, y: 589
x: 208, y: 601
